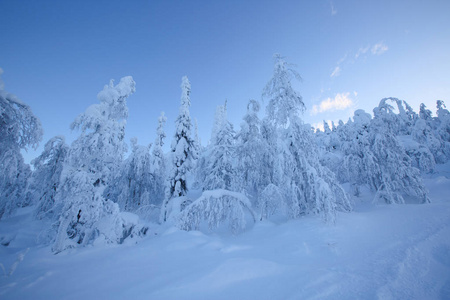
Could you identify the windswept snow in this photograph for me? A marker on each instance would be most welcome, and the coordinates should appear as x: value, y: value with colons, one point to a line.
x: 375, y: 252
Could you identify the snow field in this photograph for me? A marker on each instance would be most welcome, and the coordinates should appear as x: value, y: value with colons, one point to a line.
x: 375, y: 252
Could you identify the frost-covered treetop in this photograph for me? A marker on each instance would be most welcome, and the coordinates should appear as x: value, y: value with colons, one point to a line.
x: 185, y: 95
x: 361, y: 117
x: 112, y: 106
x: 284, y: 102
x: 18, y: 125
x: 160, y: 134
x: 116, y: 95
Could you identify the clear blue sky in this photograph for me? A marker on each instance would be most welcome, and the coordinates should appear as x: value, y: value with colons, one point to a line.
x: 57, y: 55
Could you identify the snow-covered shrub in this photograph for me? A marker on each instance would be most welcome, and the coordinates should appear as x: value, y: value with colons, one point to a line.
x: 215, y: 208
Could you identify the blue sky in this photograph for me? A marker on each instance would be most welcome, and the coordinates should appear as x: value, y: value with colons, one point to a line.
x: 57, y: 55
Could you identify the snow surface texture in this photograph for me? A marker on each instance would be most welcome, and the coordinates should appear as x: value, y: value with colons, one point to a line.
x: 375, y: 252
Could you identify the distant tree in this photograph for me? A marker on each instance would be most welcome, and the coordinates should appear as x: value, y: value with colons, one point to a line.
x: 133, y: 187
x: 182, y: 151
x: 159, y: 161
x: 424, y: 113
x: 251, y: 154
x: 220, y: 172
x: 19, y: 129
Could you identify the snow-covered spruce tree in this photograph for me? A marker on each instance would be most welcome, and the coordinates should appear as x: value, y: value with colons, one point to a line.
x: 251, y: 154
x: 395, y: 177
x: 159, y: 162
x: 219, y: 170
x: 358, y: 160
x: 44, y: 183
x: 443, y: 129
x: 203, y: 162
x: 426, y: 133
x: 92, y: 160
x: 134, y: 183
x: 182, y: 152
x: 19, y: 129
x: 307, y: 186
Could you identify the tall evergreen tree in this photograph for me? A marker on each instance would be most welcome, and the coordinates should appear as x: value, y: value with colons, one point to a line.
x: 182, y: 151
x: 159, y: 161
x: 220, y: 172
x: 296, y: 171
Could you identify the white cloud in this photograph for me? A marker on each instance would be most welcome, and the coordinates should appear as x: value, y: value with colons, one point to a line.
x: 333, y: 9
x: 336, y: 72
x: 355, y: 93
x: 379, y: 48
x: 340, y: 102
x: 361, y: 51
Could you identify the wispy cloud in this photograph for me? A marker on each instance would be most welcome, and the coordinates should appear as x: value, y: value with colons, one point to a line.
x: 379, y: 48
x: 361, y: 51
x: 340, y: 102
x: 333, y: 9
x: 336, y: 72
x: 376, y: 49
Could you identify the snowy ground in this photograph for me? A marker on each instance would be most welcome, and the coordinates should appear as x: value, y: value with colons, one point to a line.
x: 375, y: 252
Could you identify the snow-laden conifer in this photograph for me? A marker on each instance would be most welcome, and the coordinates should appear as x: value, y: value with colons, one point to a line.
x: 19, y: 129
x: 92, y: 161
x: 159, y: 161
x: 295, y: 168
x: 219, y: 169
x: 182, y: 151
x: 45, y: 181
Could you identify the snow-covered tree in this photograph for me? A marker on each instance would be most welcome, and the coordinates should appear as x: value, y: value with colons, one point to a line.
x: 159, y: 161
x: 295, y: 168
x: 19, y: 129
x: 133, y: 187
x: 92, y: 161
x: 284, y: 101
x: 424, y: 113
x: 251, y: 154
x: 219, y: 171
x: 215, y: 208
x: 372, y: 154
x: 395, y: 177
x: 44, y: 183
x: 182, y: 151
x: 443, y: 128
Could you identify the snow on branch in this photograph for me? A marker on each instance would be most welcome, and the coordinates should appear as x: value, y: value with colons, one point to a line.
x: 217, y: 207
